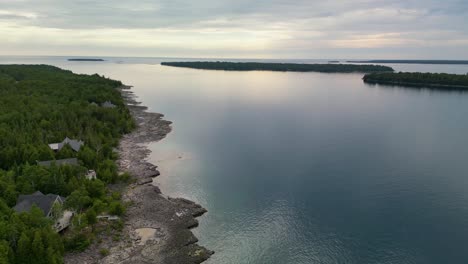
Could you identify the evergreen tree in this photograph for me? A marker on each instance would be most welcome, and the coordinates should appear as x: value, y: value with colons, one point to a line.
x: 38, y: 250
x: 5, y: 252
x: 23, y: 253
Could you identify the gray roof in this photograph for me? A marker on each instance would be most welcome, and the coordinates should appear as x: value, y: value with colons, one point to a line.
x: 108, y: 104
x: 44, y: 202
x: 48, y: 163
x: 74, y: 144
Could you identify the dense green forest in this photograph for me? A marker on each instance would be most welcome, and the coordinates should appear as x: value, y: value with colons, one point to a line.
x: 436, y: 80
x: 39, y: 105
x: 257, y: 66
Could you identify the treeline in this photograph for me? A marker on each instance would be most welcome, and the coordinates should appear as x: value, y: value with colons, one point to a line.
x: 436, y: 80
x: 257, y: 66
x: 457, y: 62
x: 40, y: 105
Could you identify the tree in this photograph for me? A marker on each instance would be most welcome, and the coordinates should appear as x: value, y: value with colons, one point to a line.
x: 116, y: 208
x: 5, y: 252
x: 65, y: 152
x: 56, y: 211
x: 38, y: 251
x: 95, y: 188
x: 88, y: 156
x: 23, y: 253
x: 91, y: 217
x: 78, y: 200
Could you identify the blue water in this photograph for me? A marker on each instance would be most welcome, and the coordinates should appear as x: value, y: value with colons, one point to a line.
x: 309, y: 167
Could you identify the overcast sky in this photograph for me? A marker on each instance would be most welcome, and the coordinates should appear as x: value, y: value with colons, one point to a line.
x: 425, y: 29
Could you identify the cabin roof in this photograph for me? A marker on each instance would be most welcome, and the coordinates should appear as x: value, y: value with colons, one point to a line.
x: 44, y: 202
x: 73, y: 143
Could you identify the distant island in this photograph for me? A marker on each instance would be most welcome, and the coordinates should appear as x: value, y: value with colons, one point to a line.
x: 418, y: 79
x: 414, y: 61
x: 257, y: 66
x: 85, y: 59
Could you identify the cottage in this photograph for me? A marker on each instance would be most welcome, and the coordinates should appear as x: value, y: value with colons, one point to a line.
x: 108, y: 104
x: 46, y: 204
x: 61, y: 162
x: 74, y: 144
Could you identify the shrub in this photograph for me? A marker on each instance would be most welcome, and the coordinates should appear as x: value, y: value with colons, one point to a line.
x: 104, y: 252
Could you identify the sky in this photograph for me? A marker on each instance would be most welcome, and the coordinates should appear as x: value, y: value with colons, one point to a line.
x: 282, y: 29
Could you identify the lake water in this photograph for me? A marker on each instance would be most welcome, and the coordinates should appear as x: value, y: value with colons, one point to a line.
x: 308, y: 167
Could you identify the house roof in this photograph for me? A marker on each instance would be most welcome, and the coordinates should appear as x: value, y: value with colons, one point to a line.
x: 73, y: 143
x: 54, y: 146
x: 44, y: 202
x: 48, y: 163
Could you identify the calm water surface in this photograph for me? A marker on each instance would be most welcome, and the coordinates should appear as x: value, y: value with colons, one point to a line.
x: 309, y: 167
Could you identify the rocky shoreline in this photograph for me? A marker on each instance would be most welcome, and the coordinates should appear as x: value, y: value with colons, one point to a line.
x: 157, y: 228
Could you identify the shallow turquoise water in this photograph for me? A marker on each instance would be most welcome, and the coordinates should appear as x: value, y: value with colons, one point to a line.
x: 309, y: 167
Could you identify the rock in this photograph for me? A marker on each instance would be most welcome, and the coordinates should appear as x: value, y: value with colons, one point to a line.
x: 152, y: 173
x: 145, y: 181
x: 157, y: 190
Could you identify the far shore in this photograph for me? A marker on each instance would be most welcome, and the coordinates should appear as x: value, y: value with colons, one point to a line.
x: 420, y: 85
x: 442, y: 81
x: 282, y: 67
x: 85, y: 59
x: 448, y: 62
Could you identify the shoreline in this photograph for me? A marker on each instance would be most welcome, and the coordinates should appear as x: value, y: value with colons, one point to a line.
x: 417, y: 85
x: 157, y: 229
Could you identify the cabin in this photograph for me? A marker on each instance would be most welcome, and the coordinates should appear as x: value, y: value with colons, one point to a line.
x: 46, y: 204
x: 74, y: 144
x: 108, y: 104
x: 60, y: 162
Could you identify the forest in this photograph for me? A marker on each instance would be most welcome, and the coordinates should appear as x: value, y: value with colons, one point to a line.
x: 456, y: 62
x: 40, y: 105
x: 434, y: 80
x: 294, y: 67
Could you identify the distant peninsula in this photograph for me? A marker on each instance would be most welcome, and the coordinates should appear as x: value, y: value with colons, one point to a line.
x: 284, y: 67
x: 85, y: 59
x: 459, y: 62
x: 439, y: 81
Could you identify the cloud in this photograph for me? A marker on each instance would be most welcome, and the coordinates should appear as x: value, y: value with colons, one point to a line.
x: 221, y: 28
x: 14, y: 15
